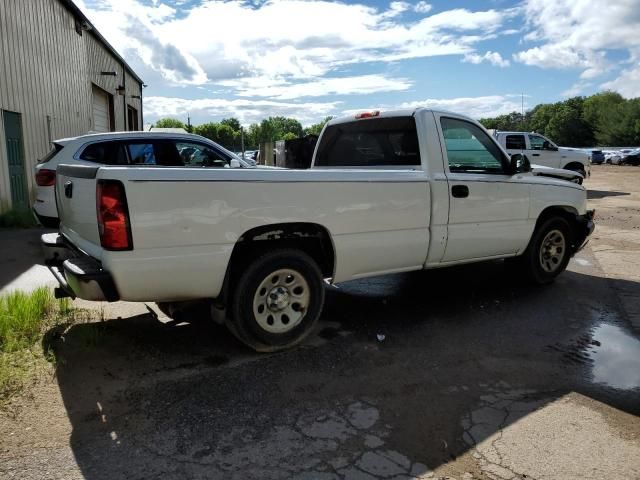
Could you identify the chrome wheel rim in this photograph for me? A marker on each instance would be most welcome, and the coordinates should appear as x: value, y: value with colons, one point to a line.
x: 552, y: 251
x: 281, y: 301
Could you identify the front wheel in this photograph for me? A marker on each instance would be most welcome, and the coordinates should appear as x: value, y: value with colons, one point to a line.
x: 277, y: 301
x: 549, y: 251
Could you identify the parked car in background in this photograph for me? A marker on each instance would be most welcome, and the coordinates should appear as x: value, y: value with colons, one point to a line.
x: 124, y: 149
x: 630, y: 157
x: 612, y: 157
x: 539, y: 150
x: 597, y: 157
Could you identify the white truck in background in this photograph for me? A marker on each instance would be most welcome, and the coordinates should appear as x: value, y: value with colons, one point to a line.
x: 539, y: 150
x: 387, y: 192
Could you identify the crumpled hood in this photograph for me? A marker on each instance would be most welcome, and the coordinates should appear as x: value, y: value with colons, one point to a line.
x: 543, y: 171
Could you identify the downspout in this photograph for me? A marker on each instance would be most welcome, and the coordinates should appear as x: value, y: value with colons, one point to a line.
x: 124, y: 96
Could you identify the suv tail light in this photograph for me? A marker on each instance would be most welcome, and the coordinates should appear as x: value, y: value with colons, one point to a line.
x: 45, y: 178
x: 113, y: 216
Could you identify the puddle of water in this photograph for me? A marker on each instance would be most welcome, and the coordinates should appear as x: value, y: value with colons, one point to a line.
x: 617, y: 358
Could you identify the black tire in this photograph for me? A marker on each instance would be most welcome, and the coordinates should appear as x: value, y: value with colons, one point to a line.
x: 532, y: 262
x: 246, y: 321
x: 578, y: 169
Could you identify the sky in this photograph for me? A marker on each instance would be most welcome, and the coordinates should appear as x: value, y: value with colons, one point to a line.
x: 308, y: 59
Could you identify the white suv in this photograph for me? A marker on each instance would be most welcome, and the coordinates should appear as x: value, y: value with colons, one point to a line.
x: 125, y: 148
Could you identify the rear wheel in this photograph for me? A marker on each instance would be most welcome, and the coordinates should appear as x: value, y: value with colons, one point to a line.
x: 277, y: 301
x: 549, y: 251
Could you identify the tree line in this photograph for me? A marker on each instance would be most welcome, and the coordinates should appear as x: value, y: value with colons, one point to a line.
x: 604, y: 119
x: 227, y: 132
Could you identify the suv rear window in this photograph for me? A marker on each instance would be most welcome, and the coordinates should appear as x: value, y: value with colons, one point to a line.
x: 47, y: 158
x: 369, y: 143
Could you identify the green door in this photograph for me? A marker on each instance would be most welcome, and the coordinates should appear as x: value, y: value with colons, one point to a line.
x: 15, y: 154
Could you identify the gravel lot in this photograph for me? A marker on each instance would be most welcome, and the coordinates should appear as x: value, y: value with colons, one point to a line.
x: 460, y: 373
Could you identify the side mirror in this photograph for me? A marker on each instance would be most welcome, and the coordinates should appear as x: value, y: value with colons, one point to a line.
x: 519, y: 164
x: 235, y: 163
x: 547, y: 146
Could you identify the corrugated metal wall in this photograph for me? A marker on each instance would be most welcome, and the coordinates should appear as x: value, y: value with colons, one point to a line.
x: 46, y: 72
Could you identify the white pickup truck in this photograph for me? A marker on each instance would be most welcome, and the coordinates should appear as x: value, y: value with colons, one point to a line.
x: 539, y: 150
x: 387, y: 192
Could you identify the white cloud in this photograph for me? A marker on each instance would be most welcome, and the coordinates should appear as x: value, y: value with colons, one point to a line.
x: 357, y: 85
x: 245, y: 110
x: 577, y: 34
x: 474, y: 107
x: 493, y: 58
x: 576, y: 89
x: 288, y: 39
x: 422, y: 7
x: 627, y: 84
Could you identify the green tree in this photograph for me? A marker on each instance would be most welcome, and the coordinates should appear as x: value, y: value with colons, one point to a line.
x: 316, y: 128
x: 170, y: 123
x: 289, y: 136
x: 208, y: 130
x: 234, y: 123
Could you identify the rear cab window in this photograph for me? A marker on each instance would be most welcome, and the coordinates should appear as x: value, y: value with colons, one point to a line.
x: 373, y: 142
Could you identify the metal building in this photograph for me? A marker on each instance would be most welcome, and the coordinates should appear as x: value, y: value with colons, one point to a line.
x: 58, y: 78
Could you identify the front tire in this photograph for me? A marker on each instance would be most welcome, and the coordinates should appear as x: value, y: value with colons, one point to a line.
x: 549, y: 251
x: 277, y: 301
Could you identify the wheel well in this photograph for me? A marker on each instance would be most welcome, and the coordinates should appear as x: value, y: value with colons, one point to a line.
x: 311, y: 238
x: 574, y: 166
x: 566, y: 212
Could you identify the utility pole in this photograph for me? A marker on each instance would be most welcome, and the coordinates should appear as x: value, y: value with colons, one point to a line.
x: 242, y: 141
x: 188, y: 123
x: 522, y: 112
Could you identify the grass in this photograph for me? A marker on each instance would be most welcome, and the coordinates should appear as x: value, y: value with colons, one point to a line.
x: 24, y: 319
x: 17, y: 218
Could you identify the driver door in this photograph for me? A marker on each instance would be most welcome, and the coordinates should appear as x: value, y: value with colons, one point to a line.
x: 488, y: 207
x: 541, y: 152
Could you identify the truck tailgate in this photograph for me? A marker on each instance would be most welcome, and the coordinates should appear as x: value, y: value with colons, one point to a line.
x: 76, y: 200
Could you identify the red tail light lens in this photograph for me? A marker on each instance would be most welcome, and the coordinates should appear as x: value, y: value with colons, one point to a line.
x: 113, y: 216
x: 45, y: 178
x: 373, y: 114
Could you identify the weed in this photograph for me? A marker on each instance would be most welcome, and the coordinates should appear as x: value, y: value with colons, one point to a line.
x: 24, y: 318
x: 17, y: 218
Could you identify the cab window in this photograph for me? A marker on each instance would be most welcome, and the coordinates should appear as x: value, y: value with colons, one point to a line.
x: 470, y: 149
x: 515, y: 142
x: 536, y: 142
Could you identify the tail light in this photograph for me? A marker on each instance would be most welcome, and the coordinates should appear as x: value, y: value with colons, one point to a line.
x: 113, y: 216
x: 45, y: 178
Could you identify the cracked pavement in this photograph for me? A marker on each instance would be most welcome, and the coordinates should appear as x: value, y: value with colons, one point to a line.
x: 477, y: 377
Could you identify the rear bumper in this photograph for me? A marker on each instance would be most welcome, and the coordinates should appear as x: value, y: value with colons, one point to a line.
x: 78, y: 274
x: 584, y: 228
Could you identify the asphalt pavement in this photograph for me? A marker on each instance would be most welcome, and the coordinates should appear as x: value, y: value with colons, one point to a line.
x: 455, y: 373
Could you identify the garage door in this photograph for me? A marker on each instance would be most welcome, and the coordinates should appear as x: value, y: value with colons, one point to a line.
x: 100, y: 110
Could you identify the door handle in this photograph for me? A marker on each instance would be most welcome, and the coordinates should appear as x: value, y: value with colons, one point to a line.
x: 68, y: 189
x: 460, y: 191
x: 536, y: 154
